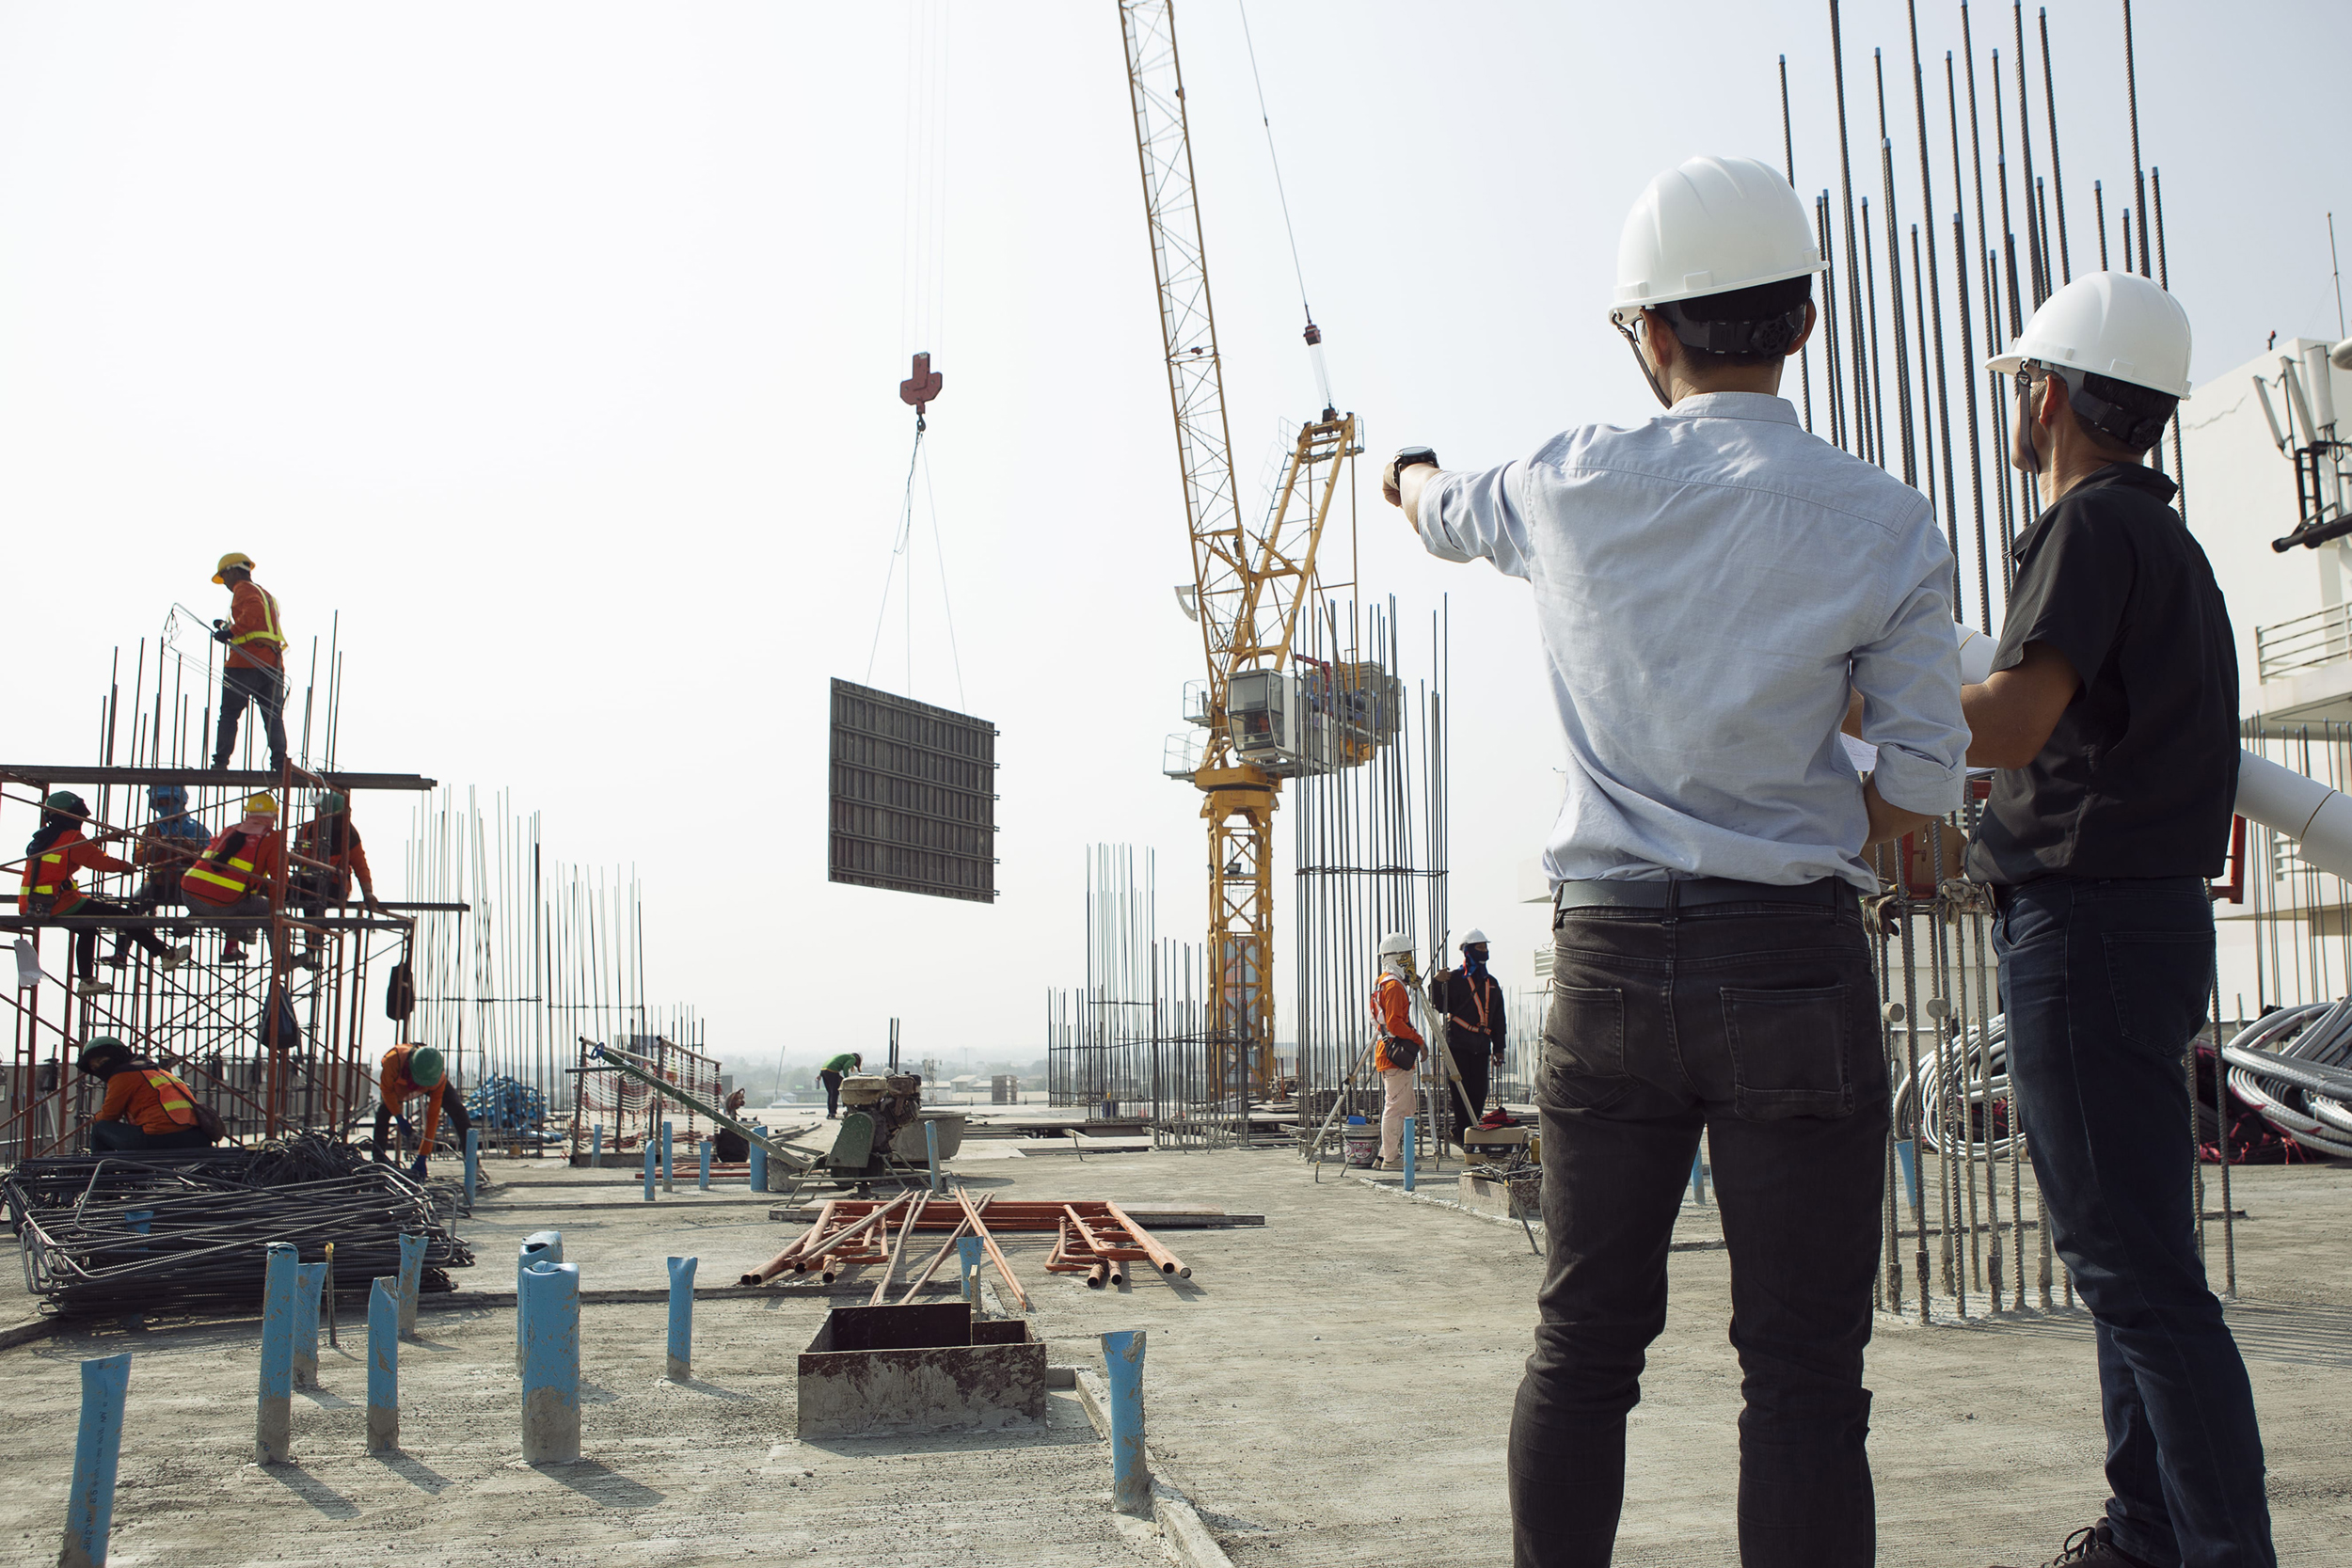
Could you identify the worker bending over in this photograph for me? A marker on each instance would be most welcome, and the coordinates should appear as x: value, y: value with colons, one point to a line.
x: 831, y: 1075
x: 407, y: 1072
x: 145, y: 1106
x: 55, y: 853
x: 331, y: 841
x: 1470, y: 1000
x: 1711, y: 587
x: 1398, y: 1045
x: 2112, y: 715
x: 255, y: 672
x: 238, y: 871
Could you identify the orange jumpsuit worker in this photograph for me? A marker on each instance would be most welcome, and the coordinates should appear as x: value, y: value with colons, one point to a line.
x: 1401, y: 1044
x: 238, y: 870
x: 51, y: 856
x: 410, y: 1071
x: 145, y: 1106
x: 256, y: 668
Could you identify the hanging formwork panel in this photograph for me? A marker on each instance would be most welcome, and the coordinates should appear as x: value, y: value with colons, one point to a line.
x: 914, y: 797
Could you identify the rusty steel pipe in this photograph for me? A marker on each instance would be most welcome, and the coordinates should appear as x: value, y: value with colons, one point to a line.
x: 941, y: 1256
x: 995, y: 1253
x: 775, y: 1265
x: 1167, y: 1261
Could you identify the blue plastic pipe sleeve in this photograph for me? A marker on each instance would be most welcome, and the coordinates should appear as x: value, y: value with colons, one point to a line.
x: 681, y: 1357
x: 1131, y: 1475
x: 273, y: 1428
x: 383, y: 1366
x: 1412, y: 1141
x: 411, y: 1275
x: 550, y: 1302
x: 91, y: 1507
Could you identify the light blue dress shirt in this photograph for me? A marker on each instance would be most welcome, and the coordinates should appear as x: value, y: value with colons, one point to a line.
x: 1711, y: 587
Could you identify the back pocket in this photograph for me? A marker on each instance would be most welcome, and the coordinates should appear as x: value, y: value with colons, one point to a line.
x: 1584, y: 1047
x: 1791, y: 1052
x: 2163, y: 984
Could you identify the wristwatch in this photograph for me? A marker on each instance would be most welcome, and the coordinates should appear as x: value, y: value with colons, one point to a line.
x: 1413, y: 457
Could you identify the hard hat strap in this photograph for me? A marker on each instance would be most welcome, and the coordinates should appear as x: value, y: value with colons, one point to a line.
x: 1770, y: 335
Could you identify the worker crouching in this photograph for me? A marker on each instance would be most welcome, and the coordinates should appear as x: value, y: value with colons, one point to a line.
x: 407, y: 1072
x: 1401, y: 1044
x: 145, y: 1108
x: 237, y: 870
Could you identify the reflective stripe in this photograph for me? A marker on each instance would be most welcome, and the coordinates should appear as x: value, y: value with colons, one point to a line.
x: 268, y: 632
x: 166, y: 1088
x: 56, y: 859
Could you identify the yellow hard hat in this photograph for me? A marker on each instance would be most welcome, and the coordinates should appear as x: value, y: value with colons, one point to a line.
x: 234, y: 558
x: 264, y: 805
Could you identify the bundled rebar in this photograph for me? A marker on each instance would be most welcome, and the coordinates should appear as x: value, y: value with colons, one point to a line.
x: 185, y: 1232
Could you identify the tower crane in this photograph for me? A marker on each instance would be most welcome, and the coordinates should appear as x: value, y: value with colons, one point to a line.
x: 1264, y: 721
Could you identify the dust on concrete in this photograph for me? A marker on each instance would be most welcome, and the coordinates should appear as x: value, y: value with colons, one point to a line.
x: 1333, y: 1388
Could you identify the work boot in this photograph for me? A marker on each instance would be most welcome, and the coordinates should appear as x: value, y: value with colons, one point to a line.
x: 307, y: 959
x: 92, y: 986
x: 230, y: 953
x: 2093, y: 1546
x: 174, y: 958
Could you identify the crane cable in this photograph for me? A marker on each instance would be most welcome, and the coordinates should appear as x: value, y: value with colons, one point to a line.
x: 1314, y: 333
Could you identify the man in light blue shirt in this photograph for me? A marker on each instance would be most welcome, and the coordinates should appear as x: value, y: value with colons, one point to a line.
x: 1713, y: 590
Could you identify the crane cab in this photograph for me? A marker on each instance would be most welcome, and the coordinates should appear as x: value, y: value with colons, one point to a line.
x: 1270, y: 723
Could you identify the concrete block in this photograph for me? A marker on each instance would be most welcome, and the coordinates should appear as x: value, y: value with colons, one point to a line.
x: 919, y: 1368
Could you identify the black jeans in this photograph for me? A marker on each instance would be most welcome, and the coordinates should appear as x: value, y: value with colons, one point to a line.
x: 264, y: 689
x: 1757, y: 1021
x: 1470, y: 1060
x: 833, y: 1091
x: 2104, y: 982
x: 123, y: 1137
x: 85, y: 939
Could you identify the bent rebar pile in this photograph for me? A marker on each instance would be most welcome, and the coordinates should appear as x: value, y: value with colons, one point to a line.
x: 183, y: 1232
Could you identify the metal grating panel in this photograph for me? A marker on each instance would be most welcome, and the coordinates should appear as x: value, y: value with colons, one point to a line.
x: 914, y: 797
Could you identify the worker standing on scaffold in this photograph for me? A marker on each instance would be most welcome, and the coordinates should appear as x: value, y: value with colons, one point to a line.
x: 2112, y: 715
x: 1400, y: 1046
x: 256, y: 669
x: 1711, y: 588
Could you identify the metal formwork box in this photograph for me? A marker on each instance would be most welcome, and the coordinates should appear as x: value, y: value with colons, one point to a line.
x: 914, y: 797
x: 919, y: 1368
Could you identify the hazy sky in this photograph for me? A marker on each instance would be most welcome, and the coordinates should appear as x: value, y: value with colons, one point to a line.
x: 557, y: 347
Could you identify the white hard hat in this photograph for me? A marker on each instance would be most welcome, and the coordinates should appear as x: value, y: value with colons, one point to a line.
x: 1474, y: 938
x: 2111, y: 324
x: 1394, y: 943
x: 1708, y: 227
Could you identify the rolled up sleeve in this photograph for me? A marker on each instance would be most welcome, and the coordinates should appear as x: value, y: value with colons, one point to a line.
x: 1475, y: 516
x: 1909, y: 678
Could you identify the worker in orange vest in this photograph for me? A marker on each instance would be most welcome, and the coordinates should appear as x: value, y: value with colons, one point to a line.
x: 238, y: 870
x: 331, y: 841
x: 145, y: 1106
x: 1401, y: 1046
x: 256, y: 668
x: 51, y: 856
x: 410, y: 1071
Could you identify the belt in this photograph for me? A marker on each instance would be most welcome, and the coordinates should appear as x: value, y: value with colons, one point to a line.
x: 1688, y: 892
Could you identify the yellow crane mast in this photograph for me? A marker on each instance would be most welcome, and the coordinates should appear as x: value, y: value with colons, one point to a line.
x: 1264, y: 723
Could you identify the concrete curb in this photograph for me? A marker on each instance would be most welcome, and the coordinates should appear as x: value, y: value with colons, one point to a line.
x: 1183, y: 1535
x: 25, y: 1333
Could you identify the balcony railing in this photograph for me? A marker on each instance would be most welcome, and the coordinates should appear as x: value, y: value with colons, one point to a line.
x: 2323, y: 637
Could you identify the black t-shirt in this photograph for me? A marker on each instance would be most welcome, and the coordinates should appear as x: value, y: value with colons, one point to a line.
x: 2139, y: 778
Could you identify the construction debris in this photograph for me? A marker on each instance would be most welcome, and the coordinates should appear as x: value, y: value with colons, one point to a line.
x: 1092, y: 1237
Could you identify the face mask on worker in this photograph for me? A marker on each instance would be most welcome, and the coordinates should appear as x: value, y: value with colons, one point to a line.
x: 1474, y: 958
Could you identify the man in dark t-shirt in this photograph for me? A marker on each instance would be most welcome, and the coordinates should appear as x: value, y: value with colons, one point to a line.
x: 2111, y: 714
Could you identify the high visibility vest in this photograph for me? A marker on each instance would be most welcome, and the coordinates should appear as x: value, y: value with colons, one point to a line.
x: 219, y: 879
x: 179, y: 1103
x: 268, y: 631
x: 50, y: 874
